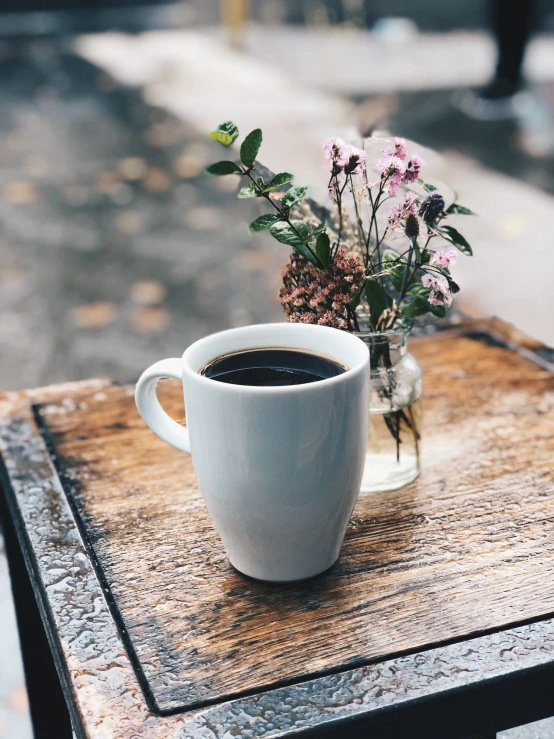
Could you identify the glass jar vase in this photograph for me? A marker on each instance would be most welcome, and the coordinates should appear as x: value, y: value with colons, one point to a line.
x: 393, y: 451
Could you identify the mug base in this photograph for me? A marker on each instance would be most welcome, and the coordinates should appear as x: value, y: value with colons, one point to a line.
x: 284, y: 580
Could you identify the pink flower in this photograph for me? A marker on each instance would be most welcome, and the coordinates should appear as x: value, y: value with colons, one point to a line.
x: 395, y: 181
x: 344, y: 156
x: 401, y: 147
x: 410, y: 204
x: 444, y: 258
x: 436, y: 298
x: 401, y: 211
x: 337, y: 150
x: 356, y: 162
x: 435, y: 282
x: 413, y: 169
x: 334, y: 185
x: 440, y: 290
x: 392, y: 169
x: 390, y: 163
x: 395, y: 217
x: 392, y: 166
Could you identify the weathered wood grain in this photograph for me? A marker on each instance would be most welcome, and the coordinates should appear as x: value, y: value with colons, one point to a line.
x: 468, y: 547
x: 104, y: 695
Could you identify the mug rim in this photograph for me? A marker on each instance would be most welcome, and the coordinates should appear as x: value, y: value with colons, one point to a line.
x: 361, y: 364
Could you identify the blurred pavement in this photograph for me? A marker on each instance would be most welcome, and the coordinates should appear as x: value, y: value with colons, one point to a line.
x: 173, y: 70
x: 115, y: 249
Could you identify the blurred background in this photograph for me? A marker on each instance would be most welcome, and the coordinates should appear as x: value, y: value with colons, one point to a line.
x: 115, y: 249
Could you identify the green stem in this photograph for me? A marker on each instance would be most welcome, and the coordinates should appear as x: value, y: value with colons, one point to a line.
x: 339, y: 203
x: 361, y: 234
x: 283, y: 215
x: 405, y: 276
x: 375, y: 208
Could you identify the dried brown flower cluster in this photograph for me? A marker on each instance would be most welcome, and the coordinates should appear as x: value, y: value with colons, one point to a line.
x: 322, y: 296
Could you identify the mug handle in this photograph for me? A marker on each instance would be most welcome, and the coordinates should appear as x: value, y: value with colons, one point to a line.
x: 150, y: 409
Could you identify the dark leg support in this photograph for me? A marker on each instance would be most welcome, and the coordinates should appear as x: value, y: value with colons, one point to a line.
x: 49, y: 712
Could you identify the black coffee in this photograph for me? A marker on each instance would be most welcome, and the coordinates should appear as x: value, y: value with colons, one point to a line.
x: 271, y: 367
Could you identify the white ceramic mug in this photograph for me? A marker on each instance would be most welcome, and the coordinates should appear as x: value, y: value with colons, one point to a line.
x: 279, y: 467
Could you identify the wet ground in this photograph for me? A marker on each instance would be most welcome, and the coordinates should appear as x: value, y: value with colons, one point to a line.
x: 116, y: 251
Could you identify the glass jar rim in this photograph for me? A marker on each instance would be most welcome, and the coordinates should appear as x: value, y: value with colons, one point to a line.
x: 400, y: 331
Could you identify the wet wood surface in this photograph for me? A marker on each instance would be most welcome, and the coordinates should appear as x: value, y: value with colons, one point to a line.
x: 466, y: 548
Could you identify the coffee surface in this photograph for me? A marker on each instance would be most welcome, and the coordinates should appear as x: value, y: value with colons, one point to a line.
x: 271, y: 368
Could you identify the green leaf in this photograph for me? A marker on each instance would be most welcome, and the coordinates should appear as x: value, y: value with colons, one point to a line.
x: 376, y: 297
x: 226, y: 133
x: 319, y: 228
x: 222, y: 168
x: 284, y: 233
x: 396, y: 273
x: 250, y: 148
x: 323, y: 249
x: 263, y: 222
x: 279, y: 180
x: 460, y: 210
x: 420, y: 304
x: 293, y: 195
x: 425, y: 256
x: 414, y: 308
x: 308, y: 255
x: 443, y: 271
x: 456, y: 238
x: 223, y: 138
x: 355, y: 300
x: 426, y: 186
x: 248, y: 191
x: 419, y: 290
x: 437, y: 310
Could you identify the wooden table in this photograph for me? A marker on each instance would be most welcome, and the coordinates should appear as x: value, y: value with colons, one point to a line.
x: 434, y: 622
